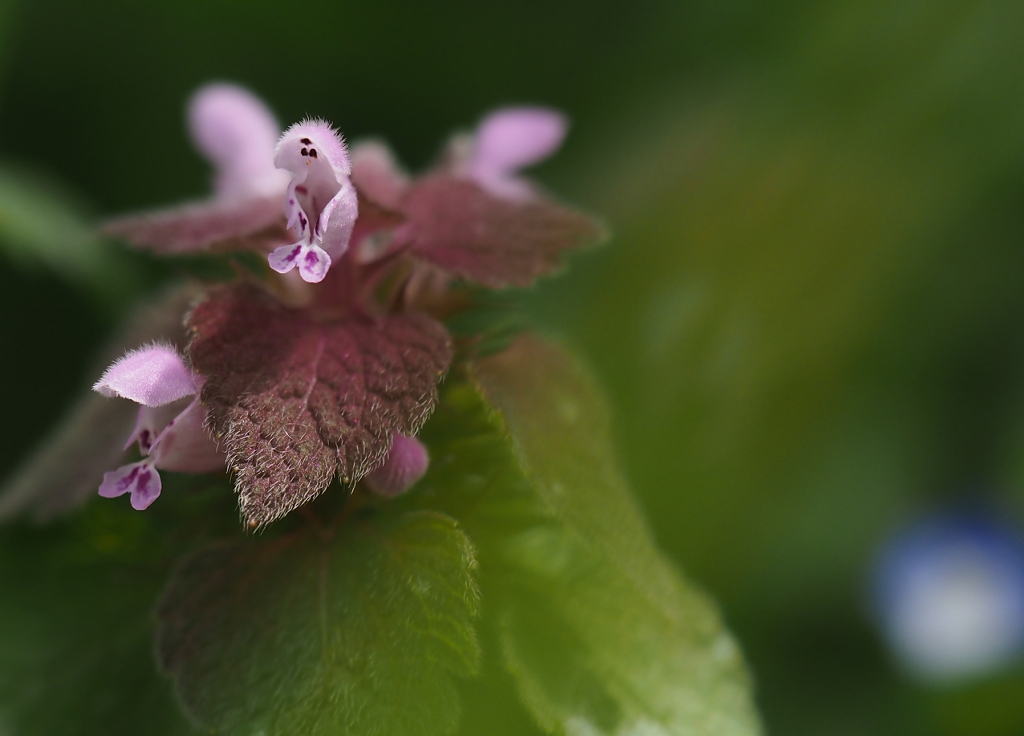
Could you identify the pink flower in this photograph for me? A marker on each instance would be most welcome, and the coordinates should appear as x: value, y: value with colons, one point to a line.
x: 255, y: 203
x: 505, y: 142
x: 508, y: 140
x: 321, y: 204
x: 237, y: 134
x: 170, y: 436
x: 405, y: 465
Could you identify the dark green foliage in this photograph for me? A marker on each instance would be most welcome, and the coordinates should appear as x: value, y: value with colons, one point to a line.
x: 354, y: 628
x: 76, y: 625
x: 599, y: 633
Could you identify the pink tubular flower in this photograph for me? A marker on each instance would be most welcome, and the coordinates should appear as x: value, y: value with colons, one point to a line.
x: 171, y: 437
x: 237, y: 133
x: 321, y: 204
x: 508, y: 140
x: 405, y: 465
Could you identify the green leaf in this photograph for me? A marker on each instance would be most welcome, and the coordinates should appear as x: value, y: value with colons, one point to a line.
x: 42, y: 225
x: 354, y: 629
x: 601, y: 635
x: 76, y: 627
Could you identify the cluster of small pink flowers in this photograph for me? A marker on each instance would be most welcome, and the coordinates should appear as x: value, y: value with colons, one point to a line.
x: 296, y: 197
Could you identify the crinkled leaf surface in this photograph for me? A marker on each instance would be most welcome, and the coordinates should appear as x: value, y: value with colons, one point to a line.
x: 600, y: 634
x: 297, y: 402
x: 353, y: 630
x: 460, y: 227
x: 68, y: 466
x: 76, y: 623
x: 197, y: 226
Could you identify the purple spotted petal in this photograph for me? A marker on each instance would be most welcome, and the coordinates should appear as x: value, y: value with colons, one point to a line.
x: 186, y: 446
x: 514, y: 138
x: 377, y: 175
x: 322, y: 145
x: 321, y: 205
x: 313, y: 264
x: 406, y: 464
x: 151, y: 421
x: 152, y: 376
x: 139, y: 479
x: 285, y: 258
x: 238, y: 134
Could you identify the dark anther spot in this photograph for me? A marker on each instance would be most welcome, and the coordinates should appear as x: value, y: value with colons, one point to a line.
x: 304, y: 152
x: 312, y: 152
x: 307, y: 141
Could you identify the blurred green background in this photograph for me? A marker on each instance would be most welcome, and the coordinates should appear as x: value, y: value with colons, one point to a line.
x: 810, y: 320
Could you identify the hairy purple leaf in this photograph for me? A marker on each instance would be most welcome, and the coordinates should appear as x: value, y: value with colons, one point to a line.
x: 495, y: 242
x: 221, y: 224
x: 296, y: 402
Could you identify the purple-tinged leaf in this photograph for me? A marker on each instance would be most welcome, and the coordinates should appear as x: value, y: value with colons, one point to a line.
x: 495, y: 242
x: 377, y: 175
x: 295, y: 402
x: 221, y: 224
x: 69, y: 465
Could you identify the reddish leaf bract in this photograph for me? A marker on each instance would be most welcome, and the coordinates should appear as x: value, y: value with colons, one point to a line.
x: 297, y: 402
x: 495, y: 242
x: 234, y: 223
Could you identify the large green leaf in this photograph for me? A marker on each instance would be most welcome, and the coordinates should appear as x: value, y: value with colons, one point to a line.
x: 76, y: 627
x: 349, y: 629
x: 599, y: 633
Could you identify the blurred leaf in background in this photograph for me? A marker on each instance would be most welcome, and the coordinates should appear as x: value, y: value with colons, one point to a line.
x: 42, y: 226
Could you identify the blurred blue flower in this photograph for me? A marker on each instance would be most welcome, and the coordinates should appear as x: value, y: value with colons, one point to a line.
x: 949, y: 595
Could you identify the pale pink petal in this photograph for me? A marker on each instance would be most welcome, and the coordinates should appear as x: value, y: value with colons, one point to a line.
x: 186, y: 446
x: 198, y: 225
x: 313, y: 264
x: 513, y: 138
x: 285, y: 258
x: 337, y: 221
x: 377, y: 175
x: 237, y: 133
x: 322, y: 143
x: 406, y: 464
x: 140, y: 479
x: 311, y: 260
x: 147, y: 488
x: 153, y: 376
